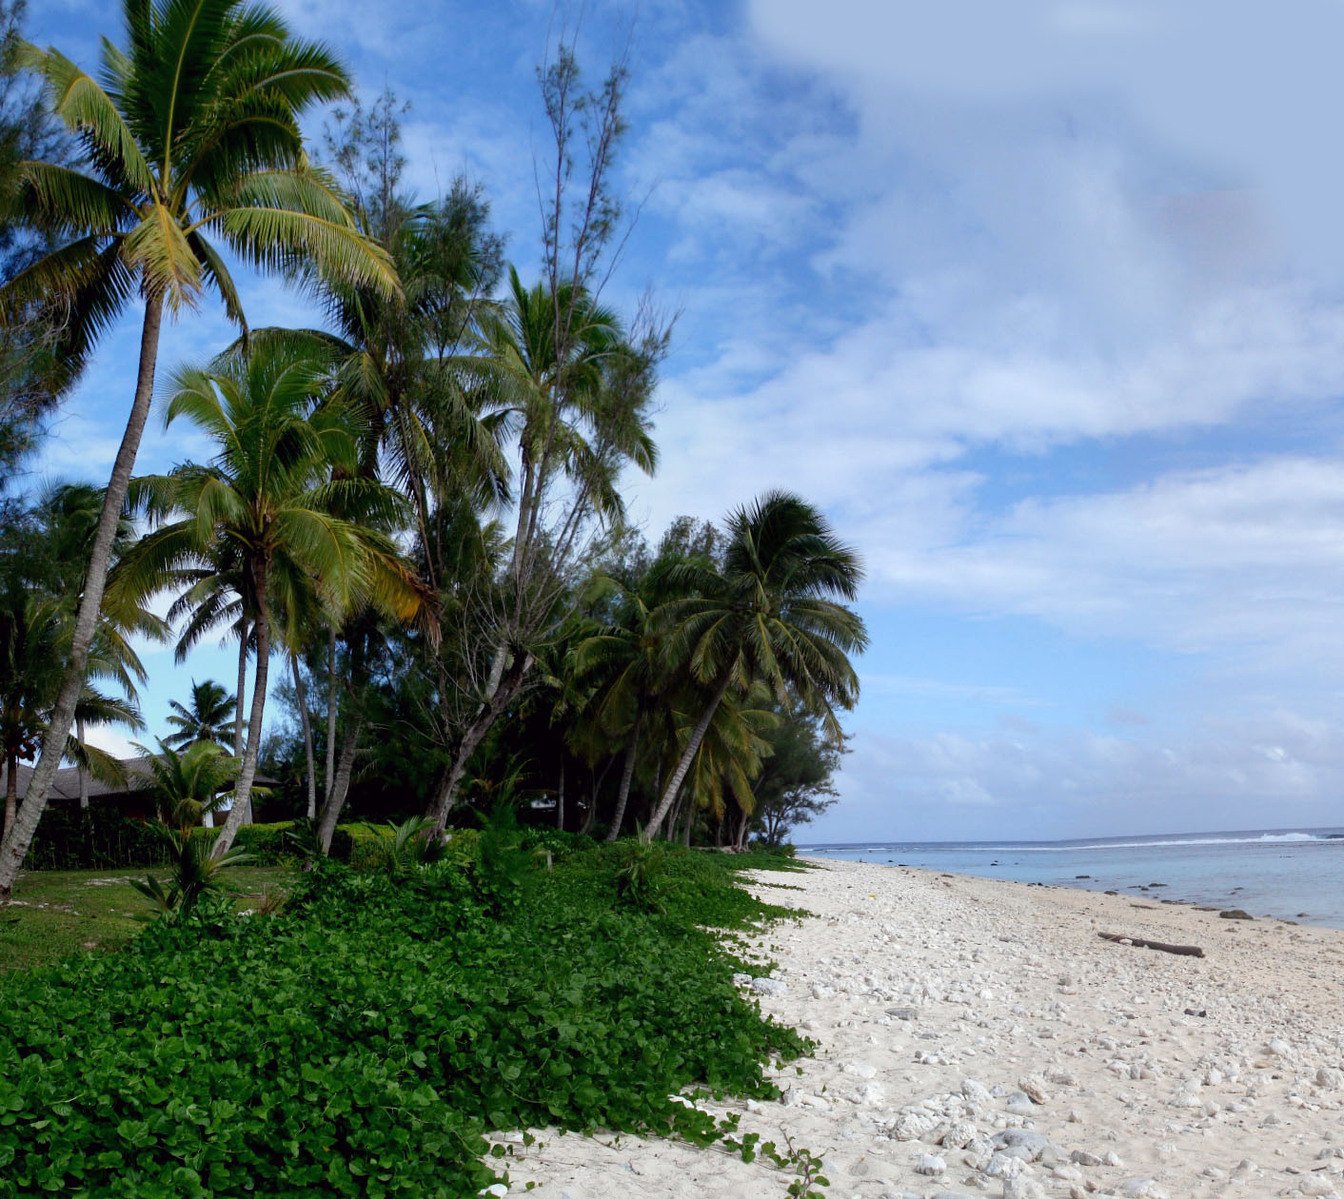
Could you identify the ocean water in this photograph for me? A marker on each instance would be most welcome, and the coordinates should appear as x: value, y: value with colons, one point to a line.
x: 1292, y: 874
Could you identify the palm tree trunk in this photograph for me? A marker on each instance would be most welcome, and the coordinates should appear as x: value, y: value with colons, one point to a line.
x: 344, y: 768
x: 591, y: 813
x: 560, y: 798
x: 688, y: 754
x: 20, y: 833
x: 301, y: 694
x: 11, y: 791
x: 83, y: 774
x: 593, y: 797
x: 340, y: 789
x: 676, y: 816
x: 329, y: 773
x: 743, y: 828
x: 239, y: 703
x: 242, y: 792
x: 627, y: 774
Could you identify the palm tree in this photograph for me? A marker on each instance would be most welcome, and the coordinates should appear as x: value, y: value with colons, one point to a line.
x: 190, y: 784
x: 768, y: 615
x: 192, y: 129
x: 67, y: 518
x: 729, y: 760
x: 283, y: 471
x: 187, y: 787
x: 39, y: 592
x: 34, y: 638
x: 206, y: 717
x: 398, y: 371
x: 626, y: 660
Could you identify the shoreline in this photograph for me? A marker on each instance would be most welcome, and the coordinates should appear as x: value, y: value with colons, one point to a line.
x: 979, y: 1037
x: 1168, y: 893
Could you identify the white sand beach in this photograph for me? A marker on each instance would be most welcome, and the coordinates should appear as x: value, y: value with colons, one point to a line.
x: 979, y: 1038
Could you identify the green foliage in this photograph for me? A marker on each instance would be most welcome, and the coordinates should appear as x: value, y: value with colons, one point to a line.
x: 556, y: 842
x: 412, y: 844
x: 802, y: 1163
x: 205, y: 717
x: 362, y: 1041
x: 188, y: 783
x: 639, y: 881
x: 504, y: 867
x: 797, y: 783
x: 193, y: 873
x: 463, y: 845
x: 67, y: 913
x: 302, y: 840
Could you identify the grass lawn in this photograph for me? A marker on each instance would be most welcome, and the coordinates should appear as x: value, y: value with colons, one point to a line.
x: 56, y: 913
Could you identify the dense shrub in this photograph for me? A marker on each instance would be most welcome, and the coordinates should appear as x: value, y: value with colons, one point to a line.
x: 462, y: 846
x: 95, y: 839
x: 361, y: 1043
x: 557, y: 842
x: 265, y: 844
x: 102, y: 838
x: 362, y: 846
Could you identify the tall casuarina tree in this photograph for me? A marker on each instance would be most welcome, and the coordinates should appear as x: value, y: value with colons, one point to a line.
x: 190, y: 130
x: 772, y: 614
x: 580, y: 408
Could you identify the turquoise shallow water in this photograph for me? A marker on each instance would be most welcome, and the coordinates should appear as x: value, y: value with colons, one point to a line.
x: 1294, y: 874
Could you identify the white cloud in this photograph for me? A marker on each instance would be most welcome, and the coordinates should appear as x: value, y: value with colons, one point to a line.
x: 1041, y: 301
x: 1232, y: 559
x: 1274, y: 768
x: 1239, y: 87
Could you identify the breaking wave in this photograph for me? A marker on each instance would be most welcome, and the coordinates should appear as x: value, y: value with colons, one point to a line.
x: 1077, y: 846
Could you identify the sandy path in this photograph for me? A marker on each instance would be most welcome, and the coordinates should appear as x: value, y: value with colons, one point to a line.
x: 982, y: 1032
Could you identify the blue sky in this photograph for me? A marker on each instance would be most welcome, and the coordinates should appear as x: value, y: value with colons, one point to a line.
x: 1043, y: 302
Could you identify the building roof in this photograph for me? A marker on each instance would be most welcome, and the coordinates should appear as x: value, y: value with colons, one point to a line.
x: 138, y: 776
x: 66, y: 783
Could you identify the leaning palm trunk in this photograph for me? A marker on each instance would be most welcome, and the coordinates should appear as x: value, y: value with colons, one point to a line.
x: 305, y: 719
x: 688, y: 754
x: 586, y: 826
x: 19, y: 835
x: 242, y: 688
x: 340, y: 788
x: 627, y: 774
x: 11, y: 791
x: 83, y: 774
x: 242, y: 792
x: 329, y: 774
x: 445, y: 797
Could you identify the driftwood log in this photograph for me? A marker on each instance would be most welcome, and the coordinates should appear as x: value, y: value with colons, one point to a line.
x: 1189, y: 951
